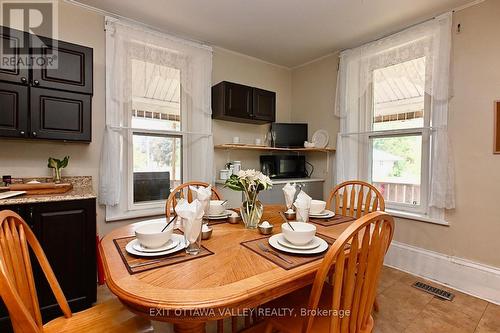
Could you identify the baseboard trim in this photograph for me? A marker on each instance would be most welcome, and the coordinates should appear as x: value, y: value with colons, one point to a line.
x: 469, y: 277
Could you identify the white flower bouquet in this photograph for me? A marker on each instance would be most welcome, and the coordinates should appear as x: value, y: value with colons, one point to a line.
x: 250, y: 182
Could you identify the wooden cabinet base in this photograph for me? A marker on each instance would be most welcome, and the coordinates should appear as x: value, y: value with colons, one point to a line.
x: 190, y: 327
x: 66, y: 231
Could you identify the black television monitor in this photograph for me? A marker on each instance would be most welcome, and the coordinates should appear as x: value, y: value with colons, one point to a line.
x: 289, y: 135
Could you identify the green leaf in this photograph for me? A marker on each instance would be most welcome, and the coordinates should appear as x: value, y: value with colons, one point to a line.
x: 64, y: 162
x: 53, y: 163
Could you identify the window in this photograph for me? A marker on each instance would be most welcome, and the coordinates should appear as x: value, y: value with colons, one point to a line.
x: 156, y: 153
x: 392, y: 101
x: 399, y: 143
x: 158, y: 119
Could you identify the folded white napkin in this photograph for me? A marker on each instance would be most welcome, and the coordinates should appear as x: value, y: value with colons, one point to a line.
x: 203, y: 194
x: 192, y: 216
x: 289, y: 192
x: 303, y: 200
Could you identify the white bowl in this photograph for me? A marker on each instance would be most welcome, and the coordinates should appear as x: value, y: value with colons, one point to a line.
x: 303, y: 234
x: 215, y: 207
x: 150, y: 235
x: 317, y: 206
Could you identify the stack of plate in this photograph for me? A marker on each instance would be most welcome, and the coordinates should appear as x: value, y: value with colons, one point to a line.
x: 279, y: 242
x: 176, y: 243
x: 222, y: 216
x: 326, y: 214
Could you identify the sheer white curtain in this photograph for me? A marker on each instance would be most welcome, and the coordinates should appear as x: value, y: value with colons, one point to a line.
x: 354, y: 106
x: 126, y: 42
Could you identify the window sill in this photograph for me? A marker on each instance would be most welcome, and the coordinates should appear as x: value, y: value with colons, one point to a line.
x: 133, y: 214
x: 417, y: 217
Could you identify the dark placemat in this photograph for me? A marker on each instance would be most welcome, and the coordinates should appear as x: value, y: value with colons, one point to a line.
x: 337, y: 219
x: 295, y: 259
x: 137, y: 264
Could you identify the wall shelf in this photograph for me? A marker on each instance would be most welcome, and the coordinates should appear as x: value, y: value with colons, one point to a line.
x: 266, y: 148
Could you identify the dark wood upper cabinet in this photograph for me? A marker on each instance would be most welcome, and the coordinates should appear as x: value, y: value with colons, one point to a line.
x: 264, y: 104
x: 15, y: 53
x: 13, y: 110
x: 51, y: 98
x: 60, y: 115
x: 240, y: 103
x: 72, y: 70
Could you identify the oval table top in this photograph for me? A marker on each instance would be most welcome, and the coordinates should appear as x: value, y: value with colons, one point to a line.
x: 234, y: 277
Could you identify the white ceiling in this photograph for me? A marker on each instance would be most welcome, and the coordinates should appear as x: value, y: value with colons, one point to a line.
x: 284, y: 32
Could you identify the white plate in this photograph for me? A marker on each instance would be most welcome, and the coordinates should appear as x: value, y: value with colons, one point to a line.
x: 176, y: 238
x: 320, y: 138
x: 323, y: 213
x: 10, y: 194
x: 169, y: 245
x: 311, y: 245
x: 224, y: 215
x: 273, y: 241
x: 329, y: 214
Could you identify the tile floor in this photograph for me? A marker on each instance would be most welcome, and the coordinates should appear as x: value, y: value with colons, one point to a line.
x: 404, y: 309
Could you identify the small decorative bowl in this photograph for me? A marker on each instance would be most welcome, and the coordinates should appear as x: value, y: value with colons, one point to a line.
x: 206, y: 234
x: 234, y: 219
x: 265, y: 230
x: 290, y: 216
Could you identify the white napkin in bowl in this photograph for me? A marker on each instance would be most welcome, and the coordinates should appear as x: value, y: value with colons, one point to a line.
x: 289, y: 192
x: 203, y: 194
x: 192, y: 216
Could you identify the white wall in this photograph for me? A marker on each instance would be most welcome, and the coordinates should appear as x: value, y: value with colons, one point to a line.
x: 313, y: 102
x: 475, y: 223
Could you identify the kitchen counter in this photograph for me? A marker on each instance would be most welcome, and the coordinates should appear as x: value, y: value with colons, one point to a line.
x: 284, y: 180
x: 82, y: 189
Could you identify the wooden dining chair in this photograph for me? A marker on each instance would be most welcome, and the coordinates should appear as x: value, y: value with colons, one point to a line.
x: 355, y: 198
x: 356, y: 260
x: 18, y: 290
x: 184, y: 192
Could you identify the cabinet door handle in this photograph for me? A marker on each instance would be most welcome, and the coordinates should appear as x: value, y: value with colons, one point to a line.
x: 33, y: 133
x: 249, y: 111
x: 36, y: 82
x: 22, y: 133
x: 30, y: 221
x: 24, y: 80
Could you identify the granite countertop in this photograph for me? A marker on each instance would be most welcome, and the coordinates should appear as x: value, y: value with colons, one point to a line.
x: 82, y: 189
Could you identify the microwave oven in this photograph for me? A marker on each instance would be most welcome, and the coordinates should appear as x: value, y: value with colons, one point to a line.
x: 283, y: 166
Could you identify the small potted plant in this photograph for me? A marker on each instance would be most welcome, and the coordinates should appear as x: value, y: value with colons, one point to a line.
x: 250, y: 182
x: 58, y: 165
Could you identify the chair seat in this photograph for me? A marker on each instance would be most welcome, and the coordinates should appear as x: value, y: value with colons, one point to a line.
x: 111, y: 316
x: 298, y: 301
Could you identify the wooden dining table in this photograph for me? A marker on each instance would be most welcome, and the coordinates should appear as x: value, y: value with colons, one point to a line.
x: 230, y: 282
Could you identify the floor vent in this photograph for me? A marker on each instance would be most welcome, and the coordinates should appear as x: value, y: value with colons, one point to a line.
x: 434, y: 291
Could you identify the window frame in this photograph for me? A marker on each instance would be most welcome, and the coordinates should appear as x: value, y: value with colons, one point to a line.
x: 424, y: 132
x: 148, y: 205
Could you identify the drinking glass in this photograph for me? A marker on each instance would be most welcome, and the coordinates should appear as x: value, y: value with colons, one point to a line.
x: 273, y: 135
x: 193, y: 237
x: 302, y: 214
